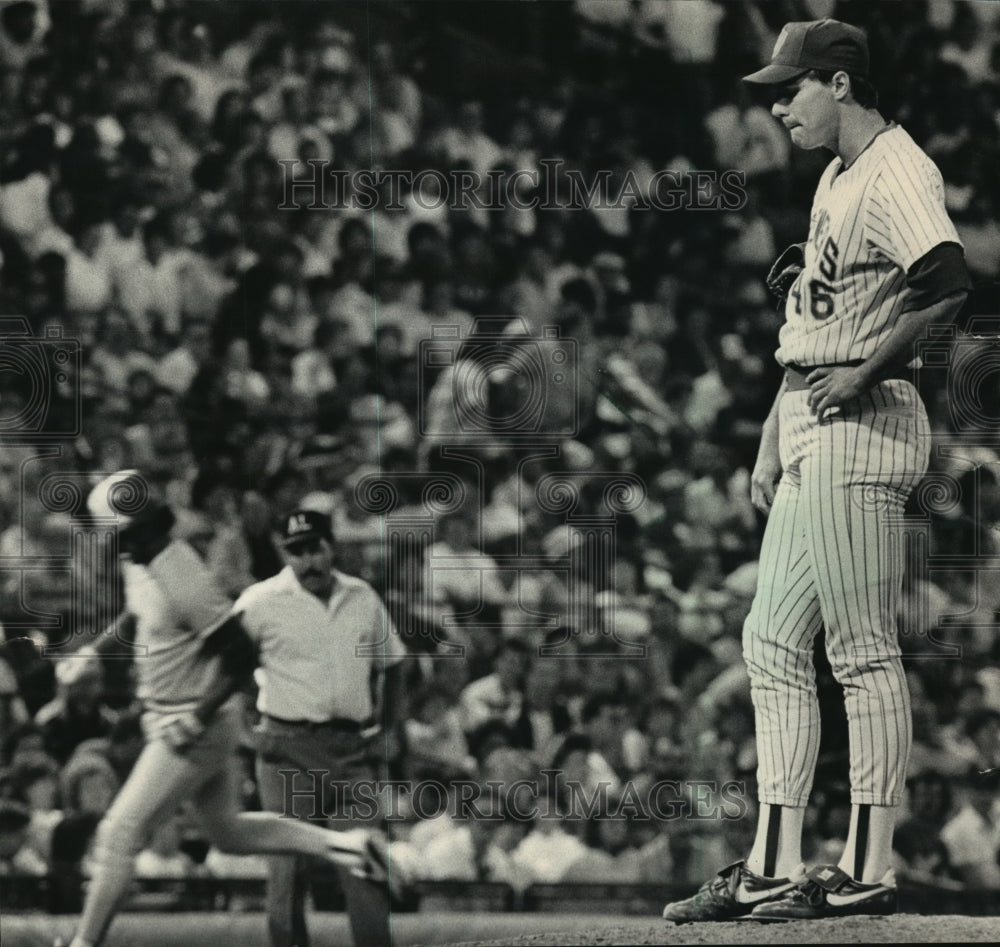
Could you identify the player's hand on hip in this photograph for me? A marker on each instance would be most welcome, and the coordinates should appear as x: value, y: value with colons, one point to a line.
x: 179, y: 730
x: 764, y: 480
x: 833, y: 387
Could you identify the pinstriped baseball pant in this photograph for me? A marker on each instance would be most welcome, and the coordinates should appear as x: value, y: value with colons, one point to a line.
x: 827, y: 562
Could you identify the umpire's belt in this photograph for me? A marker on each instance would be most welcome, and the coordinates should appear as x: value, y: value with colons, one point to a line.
x: 334, y: 724
x: 795, y: 375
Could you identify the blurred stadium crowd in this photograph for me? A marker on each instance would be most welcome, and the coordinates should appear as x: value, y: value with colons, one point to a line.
x: 249, y: 359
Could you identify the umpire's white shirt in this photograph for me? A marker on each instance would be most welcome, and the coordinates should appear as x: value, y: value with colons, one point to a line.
x: 316, y: 657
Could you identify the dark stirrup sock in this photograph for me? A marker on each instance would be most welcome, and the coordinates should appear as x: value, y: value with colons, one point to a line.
x: 771, y: 844
x: 861, y: 841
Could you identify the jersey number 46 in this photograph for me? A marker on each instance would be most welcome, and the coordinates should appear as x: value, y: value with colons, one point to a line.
x: 820, y: 294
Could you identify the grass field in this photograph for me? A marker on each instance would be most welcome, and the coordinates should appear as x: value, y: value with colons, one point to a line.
x: 437, y: 929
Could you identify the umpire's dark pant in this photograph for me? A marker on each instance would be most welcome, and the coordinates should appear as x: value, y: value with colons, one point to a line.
x: 302, y: 770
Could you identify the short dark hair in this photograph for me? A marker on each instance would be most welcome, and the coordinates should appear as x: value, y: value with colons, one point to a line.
x: 862, y: 90
x: 597, y: 702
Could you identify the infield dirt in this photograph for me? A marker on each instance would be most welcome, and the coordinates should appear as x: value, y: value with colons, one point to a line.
x: 448, y: 929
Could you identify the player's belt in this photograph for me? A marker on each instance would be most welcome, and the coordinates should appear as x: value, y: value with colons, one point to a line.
x: 795, y: 375
x: 340, y: 724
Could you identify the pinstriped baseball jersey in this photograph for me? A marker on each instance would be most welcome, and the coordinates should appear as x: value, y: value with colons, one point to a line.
x: 870, y: 222
x: 176, y: 605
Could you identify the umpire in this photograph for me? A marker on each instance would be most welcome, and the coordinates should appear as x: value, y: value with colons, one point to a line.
x: 330, y: 680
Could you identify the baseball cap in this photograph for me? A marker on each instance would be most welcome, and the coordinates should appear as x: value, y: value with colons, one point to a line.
x: 814, y: 44
x: 302, y: 525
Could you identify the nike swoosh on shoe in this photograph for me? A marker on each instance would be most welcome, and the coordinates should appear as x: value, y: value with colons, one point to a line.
x: 752, y: 897
x: 839, y: 900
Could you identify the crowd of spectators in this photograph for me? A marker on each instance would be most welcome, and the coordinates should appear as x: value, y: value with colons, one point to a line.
x: 251, y: 349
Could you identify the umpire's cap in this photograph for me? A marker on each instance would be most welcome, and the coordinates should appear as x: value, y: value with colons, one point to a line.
x: 301, y: 525
x: 814, y: 44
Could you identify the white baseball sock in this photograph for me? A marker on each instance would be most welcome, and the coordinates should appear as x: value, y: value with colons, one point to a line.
x: 868, y: 852
x: 777, y: 847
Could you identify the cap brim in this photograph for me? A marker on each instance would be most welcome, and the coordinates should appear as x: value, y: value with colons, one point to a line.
x: 302, y: 538
x: 774, y: 74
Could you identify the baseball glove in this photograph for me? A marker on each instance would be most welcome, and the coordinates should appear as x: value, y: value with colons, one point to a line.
x: 786, y: 270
